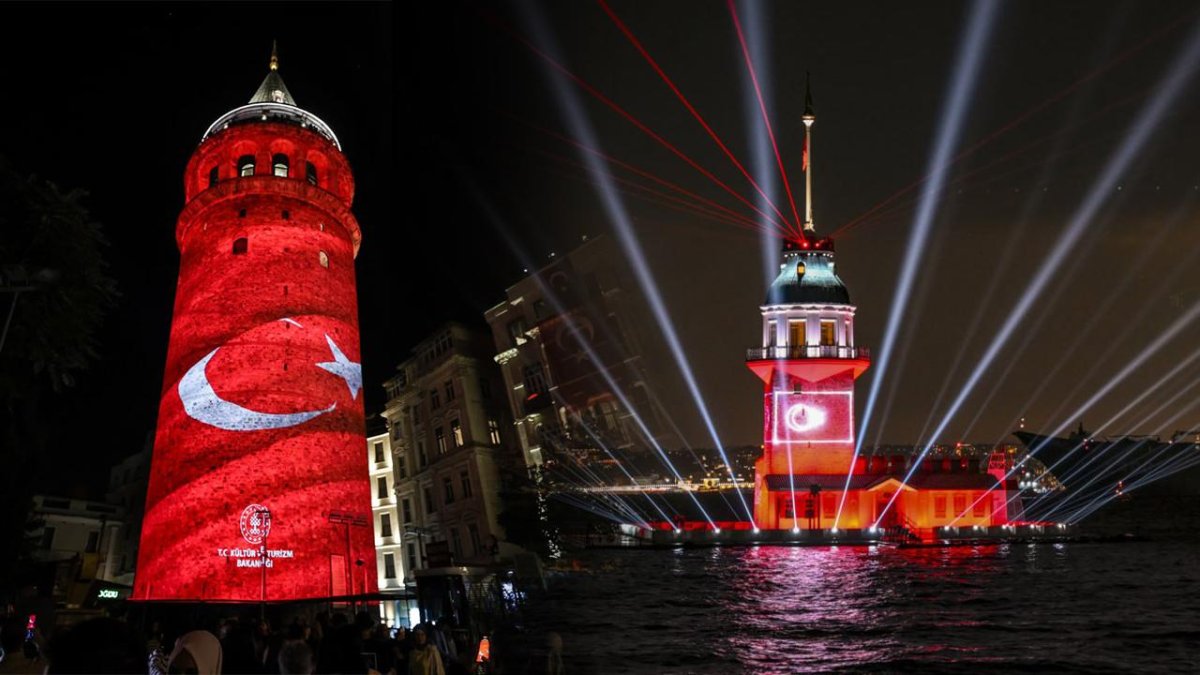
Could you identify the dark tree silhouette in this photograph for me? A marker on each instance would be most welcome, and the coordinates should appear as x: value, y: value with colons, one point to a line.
x: 54, y: 293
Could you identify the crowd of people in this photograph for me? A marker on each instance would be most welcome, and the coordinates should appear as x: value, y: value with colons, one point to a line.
x: 330, y: 643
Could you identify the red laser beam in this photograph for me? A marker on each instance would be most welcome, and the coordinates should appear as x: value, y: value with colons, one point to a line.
x: 595, y: 93
x: 736, y: 220
x: 647, y: 174
x: 696, y: 114
x: 737, y: 24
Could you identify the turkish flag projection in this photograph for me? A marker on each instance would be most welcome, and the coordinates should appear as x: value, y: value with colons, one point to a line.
x: 258, y: 443
x: 259, y: 486
x: 818, y: 417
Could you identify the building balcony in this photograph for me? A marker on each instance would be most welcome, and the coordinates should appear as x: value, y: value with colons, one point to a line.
x: 793, y: 352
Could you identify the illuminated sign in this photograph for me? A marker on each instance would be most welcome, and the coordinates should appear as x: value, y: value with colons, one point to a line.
x: 108, y: 594
x: 811, y: 417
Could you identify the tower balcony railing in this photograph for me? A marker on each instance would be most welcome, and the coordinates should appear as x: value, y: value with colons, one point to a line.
x: 807, y: 352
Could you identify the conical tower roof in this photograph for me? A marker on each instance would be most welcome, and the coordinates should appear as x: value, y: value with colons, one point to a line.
x: 272, y: 89
x: 272, y: 102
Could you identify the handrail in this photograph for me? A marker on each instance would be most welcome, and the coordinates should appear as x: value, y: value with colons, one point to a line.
x: 807, y: 352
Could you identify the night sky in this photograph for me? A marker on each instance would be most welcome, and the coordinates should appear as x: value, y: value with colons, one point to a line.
x: 428, y: 98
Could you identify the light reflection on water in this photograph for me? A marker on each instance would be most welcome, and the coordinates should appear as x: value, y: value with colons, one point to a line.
x: 1074, y: 607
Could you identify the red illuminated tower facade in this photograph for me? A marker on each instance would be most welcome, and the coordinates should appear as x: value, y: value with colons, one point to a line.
x: 259, y: 489
x: 808, y: 477
x: 808, y: 364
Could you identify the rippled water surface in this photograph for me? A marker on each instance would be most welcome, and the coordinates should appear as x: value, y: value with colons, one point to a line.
x: 1075, y: 607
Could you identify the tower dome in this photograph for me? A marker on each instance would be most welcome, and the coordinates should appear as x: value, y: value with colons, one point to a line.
x: 807, y: 276
x: 273, y: 102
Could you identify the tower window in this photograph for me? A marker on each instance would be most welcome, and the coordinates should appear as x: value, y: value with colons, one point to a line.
x: 239, y: 246
x: 242, y: 213
x: 324, y: 259
x: 213, y: 176
x: 245, y: 165
x: 310, y: 172
x: 287, y: 214
x: 279, y: 165
x: 277, y: 96
x: 796, y: 333
x: 828, y: 332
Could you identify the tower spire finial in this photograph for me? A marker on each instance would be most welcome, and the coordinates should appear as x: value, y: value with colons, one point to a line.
x: 274, y: 55
x: 808, y: 118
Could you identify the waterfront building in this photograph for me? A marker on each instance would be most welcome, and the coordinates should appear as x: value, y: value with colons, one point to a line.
x: 808, y: 477
x: 450, y: 433
x: 555, y: 382
x: 258, y: 488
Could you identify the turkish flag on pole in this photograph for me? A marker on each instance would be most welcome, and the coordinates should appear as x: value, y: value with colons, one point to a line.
x: 804, y: 155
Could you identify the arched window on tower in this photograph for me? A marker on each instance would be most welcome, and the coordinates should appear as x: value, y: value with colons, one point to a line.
x: 245, y: 165
x: 213, y: 176
x: 239, y: 246
x: 310, y: 172
x: 279, y: 165
x: 323, y: 259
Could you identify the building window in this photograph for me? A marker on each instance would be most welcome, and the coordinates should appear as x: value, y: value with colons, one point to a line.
x: 416, y: 413
x: 310, y: 173
x: 323, y: 258
x: 456, y: 433
x: 93, y: 542
x: 411, y: 549
x: 422, y: 456
x: 439, y: 437
x: 429, y: 506
x: 214, y: 175
x: 47, y: 538
x: 960, y: 504
x: 473, y: 532
x: 279, y: 166
x: 516, y: 330
x: 539, y: 309
x: 455, y: 543
x: 435, y: 400
x: 242, y: 213
x: 979, y: 507
x: 494, y: 431
x: 448, y: 490
x: 465, y: 479
x: 381, y: 485
x: 450, y: 391
x: 406, y: 510
x: 240, y: 245
x: 828, y: 333
x: 485, y: 388
x: 378, y: 453
x: 286, y: 215
x: 796, y: 333
x: 389, y: 566
x: 535, y: 379
x: 385, y: 525
x: 939, y: 506
x: 402, y: 464
x: 770, y: 334
x: 245, y: 165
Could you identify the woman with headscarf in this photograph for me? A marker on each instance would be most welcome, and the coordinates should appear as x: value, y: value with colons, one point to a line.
x: 196, y: 653
x: 424, y: 659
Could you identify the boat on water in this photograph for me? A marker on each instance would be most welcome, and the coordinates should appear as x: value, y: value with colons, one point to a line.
x: 1123, y: 464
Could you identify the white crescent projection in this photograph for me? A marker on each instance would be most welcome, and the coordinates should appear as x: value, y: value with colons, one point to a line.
x: 204, y: 405
x: 803, y: 418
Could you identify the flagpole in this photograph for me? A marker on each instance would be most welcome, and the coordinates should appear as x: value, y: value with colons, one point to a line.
x: 808, y: 118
